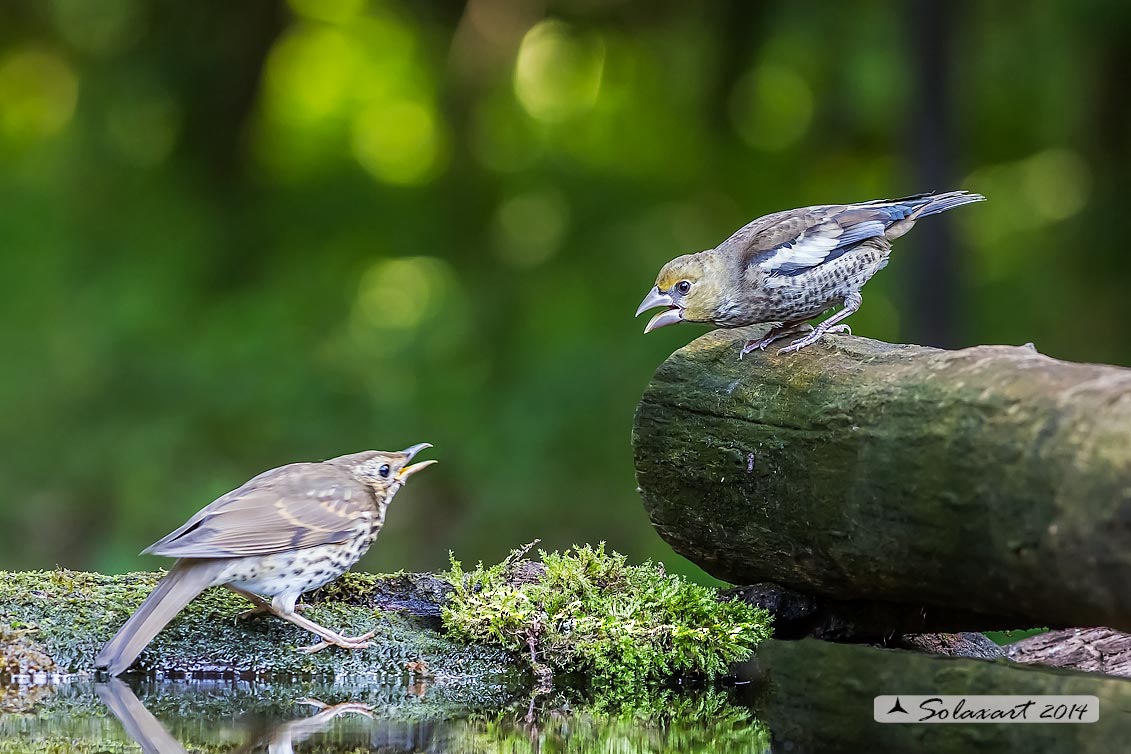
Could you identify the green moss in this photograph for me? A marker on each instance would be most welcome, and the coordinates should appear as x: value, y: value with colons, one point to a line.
x: 74, y: 613
x: 589, y: 612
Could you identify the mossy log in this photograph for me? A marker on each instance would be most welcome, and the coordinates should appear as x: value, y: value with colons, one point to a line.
x: 57, y: 621
x: 992, y: 479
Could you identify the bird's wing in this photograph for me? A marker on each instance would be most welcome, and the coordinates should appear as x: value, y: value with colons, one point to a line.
x: 800, y: 240
x: 291, y: 507
x: 791, y: 242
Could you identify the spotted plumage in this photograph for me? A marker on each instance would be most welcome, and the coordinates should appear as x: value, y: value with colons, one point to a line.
x: 789, y: 267
x: 283, y: 533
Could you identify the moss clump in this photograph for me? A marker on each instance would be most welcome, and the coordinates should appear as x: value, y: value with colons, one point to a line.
x: 589, y: 612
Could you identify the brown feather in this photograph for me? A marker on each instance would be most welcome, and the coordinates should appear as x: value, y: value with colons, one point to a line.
x: 138, y: 722
x: 295, y: 506
x: 185, y: 580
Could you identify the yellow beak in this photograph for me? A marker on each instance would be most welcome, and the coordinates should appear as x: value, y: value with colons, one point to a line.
x: 407, y: 471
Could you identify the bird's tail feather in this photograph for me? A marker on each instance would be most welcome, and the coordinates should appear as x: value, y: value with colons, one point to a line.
x: 185, y: 580
x: 932, y: 204
x: 139, y: 722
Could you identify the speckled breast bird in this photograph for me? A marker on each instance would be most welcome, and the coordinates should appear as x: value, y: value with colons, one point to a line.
x: 285, y: 532
x: 789, y: 267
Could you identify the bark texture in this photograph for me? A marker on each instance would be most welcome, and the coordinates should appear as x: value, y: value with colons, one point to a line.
x: 991, y: 479
x: 1096, y: 650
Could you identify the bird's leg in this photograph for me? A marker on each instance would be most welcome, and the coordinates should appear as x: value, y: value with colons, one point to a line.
x: 283, y: 606
x: 335, y: 709
x: 774, y: 333
x: 287, y: 735
x: 262, y: 606
x: 851, y: 303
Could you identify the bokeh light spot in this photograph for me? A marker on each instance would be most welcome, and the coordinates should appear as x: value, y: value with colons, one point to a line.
x: 528, y: 228
x: 558, y: 72
x: 309, y: 73
x: 1057, y: 183
x: 38, y: 92
x: 401, y: 294
x: 771, y: 107
x: 399, y: 143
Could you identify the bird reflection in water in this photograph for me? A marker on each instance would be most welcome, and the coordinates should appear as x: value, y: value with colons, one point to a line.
x: 151, y: 735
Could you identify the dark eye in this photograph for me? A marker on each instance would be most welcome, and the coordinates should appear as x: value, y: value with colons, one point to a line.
x: 384, y: 470
x: 683, y: 286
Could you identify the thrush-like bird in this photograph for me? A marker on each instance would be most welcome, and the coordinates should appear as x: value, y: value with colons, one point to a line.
x: 789, y: 267
x: 285, y: 532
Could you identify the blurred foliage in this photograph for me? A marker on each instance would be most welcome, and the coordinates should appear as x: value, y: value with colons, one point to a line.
x: 237, y: 235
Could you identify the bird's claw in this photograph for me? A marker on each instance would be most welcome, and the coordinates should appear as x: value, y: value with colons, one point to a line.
x: 345, y: 642
x: 774, y: 334
x: 814, y: 336
x: 754, y: 345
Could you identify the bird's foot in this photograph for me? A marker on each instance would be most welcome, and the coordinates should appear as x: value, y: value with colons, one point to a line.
x: 755, y: 345
x: 337, y: 640
x: 814, y: 336
x: 773, y: 334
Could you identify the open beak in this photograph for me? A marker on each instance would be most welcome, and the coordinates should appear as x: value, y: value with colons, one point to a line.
x: 407, y: 471
x: 671, y: 315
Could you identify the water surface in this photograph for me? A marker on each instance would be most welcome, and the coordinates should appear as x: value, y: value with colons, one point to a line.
x: 795, y: 697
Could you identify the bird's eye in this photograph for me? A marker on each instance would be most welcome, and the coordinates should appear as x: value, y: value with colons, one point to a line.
x: 384, y: 470
x: 684, y: 286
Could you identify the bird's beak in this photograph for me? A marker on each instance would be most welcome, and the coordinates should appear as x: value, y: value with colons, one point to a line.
x: 407, y: 471
x: 669, y: 316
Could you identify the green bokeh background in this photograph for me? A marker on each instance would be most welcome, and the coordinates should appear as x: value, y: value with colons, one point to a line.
x: 236, y: 235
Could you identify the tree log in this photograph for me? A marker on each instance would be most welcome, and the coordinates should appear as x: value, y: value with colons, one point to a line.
x: 991, y: 479
x: 1096, y: 650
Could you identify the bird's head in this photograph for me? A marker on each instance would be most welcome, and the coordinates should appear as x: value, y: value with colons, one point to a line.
x: 383, y: 471
x: 689, y: 287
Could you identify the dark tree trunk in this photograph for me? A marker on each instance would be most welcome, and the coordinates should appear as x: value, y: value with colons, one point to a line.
x: 935, y: 283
